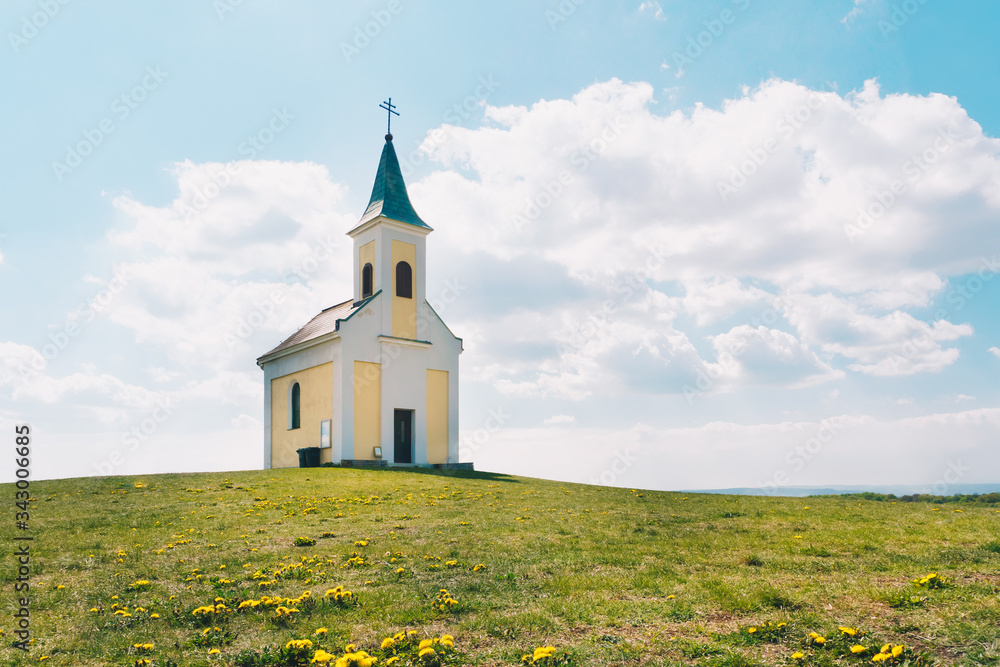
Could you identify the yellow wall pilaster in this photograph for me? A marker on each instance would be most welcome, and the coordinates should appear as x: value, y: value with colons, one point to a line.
x: 367, y: 409
x: 437, y: 416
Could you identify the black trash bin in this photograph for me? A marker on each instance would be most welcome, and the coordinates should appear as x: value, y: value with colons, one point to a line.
x: 308, y: 457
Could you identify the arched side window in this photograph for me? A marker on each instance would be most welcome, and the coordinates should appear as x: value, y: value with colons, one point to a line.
x: 404, y: 280
x: 295, y: 407
x: 366, y: 281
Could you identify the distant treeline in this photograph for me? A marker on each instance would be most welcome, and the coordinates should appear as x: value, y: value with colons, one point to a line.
x: 986, y: 498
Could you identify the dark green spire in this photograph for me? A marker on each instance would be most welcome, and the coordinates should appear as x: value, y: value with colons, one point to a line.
x: 389, y: 196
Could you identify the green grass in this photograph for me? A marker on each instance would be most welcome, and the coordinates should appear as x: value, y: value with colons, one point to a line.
x: 607, y: 576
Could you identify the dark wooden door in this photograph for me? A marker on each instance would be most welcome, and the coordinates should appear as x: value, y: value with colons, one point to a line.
x: 403, y: 436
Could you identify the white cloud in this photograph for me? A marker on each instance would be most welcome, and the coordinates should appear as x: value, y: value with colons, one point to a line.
x: 855, y: 11
x: 785, y: 225
x: 19, y: 362
x: 576, y: 183
x: 245, y: 421
x: 995, y: 350
x: 716, y: 298
x: 652, y: 7
x: 559, y: 419
x: 258, y: 259
x: 892, y: 344
x: 160, y: 374
x: 772, y: 357
x: 919, y: 450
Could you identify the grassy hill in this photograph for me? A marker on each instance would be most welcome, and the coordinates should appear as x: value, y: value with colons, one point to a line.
x: 204, y: 569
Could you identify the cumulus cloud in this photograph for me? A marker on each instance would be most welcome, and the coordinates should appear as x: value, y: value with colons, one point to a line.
x: 717, y: 298
x: 773, y: 357
x: 221, y: 265
x: 892, y: 344
x: 575, y: 183
x: 995, y: 351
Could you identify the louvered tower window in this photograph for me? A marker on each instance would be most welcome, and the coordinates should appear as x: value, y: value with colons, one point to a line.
x: 366, y: 281
x: 404, y: 280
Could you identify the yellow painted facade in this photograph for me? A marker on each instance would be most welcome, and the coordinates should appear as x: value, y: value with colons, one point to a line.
x: 404, y: 311
x: 315, y: 405
x: 437, y: 416
x: 367, y: 410
x: 366, y: 255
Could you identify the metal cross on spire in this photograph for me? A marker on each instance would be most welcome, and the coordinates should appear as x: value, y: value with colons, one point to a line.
x: 390, y: 107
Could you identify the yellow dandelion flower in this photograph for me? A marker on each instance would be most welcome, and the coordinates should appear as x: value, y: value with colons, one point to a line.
x: 798, y: 655
x: 543, y: 652
x: 322, y: 657
x: 426, y: 651
x: 858, y: 648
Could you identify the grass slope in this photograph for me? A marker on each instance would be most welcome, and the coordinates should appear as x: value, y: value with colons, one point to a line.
x: 606, y: 576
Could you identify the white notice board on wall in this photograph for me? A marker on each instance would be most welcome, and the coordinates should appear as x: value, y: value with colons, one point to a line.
x: 324, y: 433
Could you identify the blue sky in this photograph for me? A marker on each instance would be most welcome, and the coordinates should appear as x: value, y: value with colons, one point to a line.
x: 648, y: 110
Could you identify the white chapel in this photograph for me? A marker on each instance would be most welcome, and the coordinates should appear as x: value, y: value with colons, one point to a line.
x: 372, y: 380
